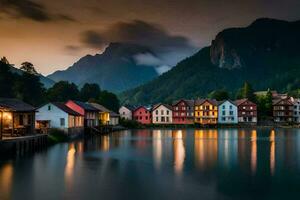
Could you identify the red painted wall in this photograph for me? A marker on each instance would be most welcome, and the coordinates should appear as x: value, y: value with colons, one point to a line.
x: 180, y: 114
x: 142, y: 115
x: 75, y: 107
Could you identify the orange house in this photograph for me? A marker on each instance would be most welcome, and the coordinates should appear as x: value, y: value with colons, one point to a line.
x: 206, y: 111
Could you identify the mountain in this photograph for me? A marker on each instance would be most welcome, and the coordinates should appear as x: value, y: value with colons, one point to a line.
x: 266, y: 54
x: 47, y: 82
x: 115, y: 69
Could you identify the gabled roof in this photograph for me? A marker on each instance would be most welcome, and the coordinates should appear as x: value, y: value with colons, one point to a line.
x: 16, y: 105
x: 99, y: 107
x: 85, y: 106
x: 162, y: 104
x: 201, y: 101
x: 241, y: 101
x: 277, y: 101
x: 188, y: 102
x: 65, y: 108
x: 149, y: 108
x: 130, y: 107
x: 221, y: 102
x: 113, y: 114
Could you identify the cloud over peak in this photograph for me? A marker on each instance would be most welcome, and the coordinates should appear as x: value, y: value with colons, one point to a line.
x: 30, y: 10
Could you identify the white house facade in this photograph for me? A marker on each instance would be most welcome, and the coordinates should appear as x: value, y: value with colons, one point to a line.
x: 162, y: 114
x: 227, y: 113
x: 296, y: 110
x: 125, y: 112
x: 59, y: 116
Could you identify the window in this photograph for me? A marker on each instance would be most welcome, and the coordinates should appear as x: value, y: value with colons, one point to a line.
x: 230, y: 112
x: 146, y: 117
x: 167, y: 118
x: 223, y: 106
x: 156, y: 112
x: 157, y: 119
x: 163, y: 119
x: 162, y: 112
x: 230, y: 107
x: 21, y: 120
x: 167, y: 112
x: 223, y: 112
x: 49, y: 107
x: 123, y: 113
x: 223, y: 118
x: 62, y: 122
x: 141, y: 118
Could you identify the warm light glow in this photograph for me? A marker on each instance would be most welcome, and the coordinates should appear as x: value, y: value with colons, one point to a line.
x: 6, y: 176
x: 179, y: 151
x: 7, y: 115
x: 253, y: 151
x: 205, y: 148
x: 272, y: 152
x: 105, y: 143
x: 157, y: 148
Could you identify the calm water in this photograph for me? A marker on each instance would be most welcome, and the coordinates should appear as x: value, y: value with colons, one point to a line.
x: 161, y: 164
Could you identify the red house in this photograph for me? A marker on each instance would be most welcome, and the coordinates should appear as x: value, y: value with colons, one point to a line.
x: 142, y: 115
x: 183, y: 112
x: 247, y: 111
x: 91, y: 118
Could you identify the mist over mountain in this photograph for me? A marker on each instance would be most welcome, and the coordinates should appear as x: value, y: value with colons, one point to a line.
x: 116, y: 69
x: 266, y: 54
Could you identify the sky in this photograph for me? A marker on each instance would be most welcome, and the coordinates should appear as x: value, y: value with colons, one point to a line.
x: 53, y: 34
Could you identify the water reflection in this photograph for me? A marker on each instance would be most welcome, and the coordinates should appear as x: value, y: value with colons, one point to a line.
x: 206, y: 149
x: 179, y: 150
x: 157, y: 148
x: 223, y: 163
x: 6, y: 176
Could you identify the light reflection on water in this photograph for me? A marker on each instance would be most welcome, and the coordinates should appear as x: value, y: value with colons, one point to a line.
x: 212, y: 163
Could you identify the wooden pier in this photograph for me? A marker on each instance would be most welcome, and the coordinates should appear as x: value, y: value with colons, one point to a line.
x: 17, y: 146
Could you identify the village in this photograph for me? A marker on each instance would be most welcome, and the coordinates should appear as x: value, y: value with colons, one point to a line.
x: 18, y: 118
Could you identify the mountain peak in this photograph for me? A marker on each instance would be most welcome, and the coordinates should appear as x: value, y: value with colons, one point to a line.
x: 125, y: 49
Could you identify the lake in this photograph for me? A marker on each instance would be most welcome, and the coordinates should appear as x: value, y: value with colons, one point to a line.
x: 161, y: 164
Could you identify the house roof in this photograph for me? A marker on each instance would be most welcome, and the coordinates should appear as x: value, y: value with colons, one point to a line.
x: 187, y: 101
x: 201, y: 101
x: 221, y: 102
x: 130, y: 107
x: 162, y: 104
x: 149, y: 108
x: 99, y: 107
x: 85, y: 106
x: 16, y: 105
x: 241, y: 101
x: 277, y: 101
x: 66, y: 109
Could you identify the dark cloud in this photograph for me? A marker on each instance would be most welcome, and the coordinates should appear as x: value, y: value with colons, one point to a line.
x: 137, y: 32
x: 72, y: 49
x: 30, y: 10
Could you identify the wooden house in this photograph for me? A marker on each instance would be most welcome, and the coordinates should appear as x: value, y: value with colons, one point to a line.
x: 57, y: 115
x: 142, y: 114
x: 247, y: 111
x: 227, y: 112
x: 106, y: 116
x: 206, y: 111
x: 91, y: 114
x: 183, y: 112
x: 283, y: 110
x: 126, y: 112
x: 16, y: 118
x: 162, y: 114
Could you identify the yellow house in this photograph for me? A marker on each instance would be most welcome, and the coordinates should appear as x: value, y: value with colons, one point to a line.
x: 206, y: 111
x: 104, y: 113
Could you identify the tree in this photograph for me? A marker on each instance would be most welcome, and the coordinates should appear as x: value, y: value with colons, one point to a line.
x: 4, y: 60
x: 28, y: 67
x: 246, y: 92
x: 219, y: 95
x: 63, y: 91
x: 29, y: 89
x: 89, y: 91
x: 109, y: 100
x: 6, y: 79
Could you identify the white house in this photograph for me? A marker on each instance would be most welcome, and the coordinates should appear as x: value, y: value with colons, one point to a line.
x: 296, y: 110
x: 113, y: 118
x: 227, y: 112
x: 59, y: 116
x: 162, y: 114
x: 126, y: 112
